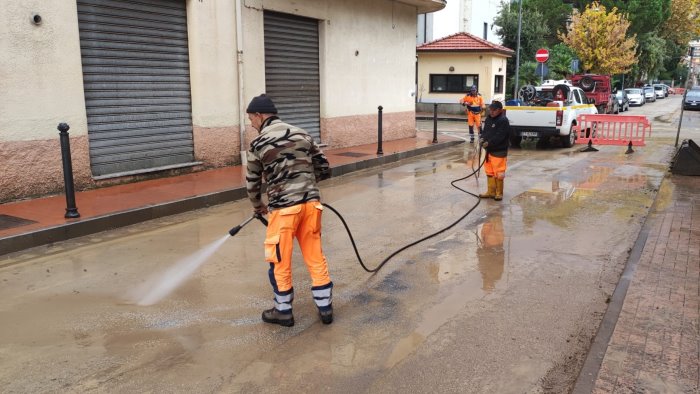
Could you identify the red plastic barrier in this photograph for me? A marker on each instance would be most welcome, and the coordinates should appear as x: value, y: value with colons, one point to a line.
x: 678, y: 90
x: 612, y: 129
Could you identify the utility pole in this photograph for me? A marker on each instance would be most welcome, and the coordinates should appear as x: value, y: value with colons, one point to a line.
x: 517, y: 50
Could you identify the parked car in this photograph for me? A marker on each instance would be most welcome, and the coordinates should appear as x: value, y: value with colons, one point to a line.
x: 692, y: 99
x: 667, y: 89
x: 613, y: 106
x: 635, y: 96
x: 660, y: 91
x: 649, y: 94
x: 623, y: 100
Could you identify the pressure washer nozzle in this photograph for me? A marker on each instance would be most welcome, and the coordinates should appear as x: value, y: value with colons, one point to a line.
x: 238, y: 228
x: 235, y: 230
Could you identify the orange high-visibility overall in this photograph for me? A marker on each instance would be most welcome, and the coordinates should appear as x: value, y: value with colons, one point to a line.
x: 474, y: 106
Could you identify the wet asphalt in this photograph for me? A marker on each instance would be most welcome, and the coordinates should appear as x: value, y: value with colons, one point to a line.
x: 507, y: 301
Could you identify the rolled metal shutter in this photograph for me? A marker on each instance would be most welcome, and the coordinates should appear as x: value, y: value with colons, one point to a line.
x: 292, y: 77
x: 137, y: 84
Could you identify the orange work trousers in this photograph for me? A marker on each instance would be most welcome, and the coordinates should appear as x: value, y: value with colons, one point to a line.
x: 496, y: 166
x: 303, y: 222
x: 474, y: 119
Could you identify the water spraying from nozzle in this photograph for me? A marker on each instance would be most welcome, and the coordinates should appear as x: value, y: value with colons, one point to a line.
x: 161, y: 286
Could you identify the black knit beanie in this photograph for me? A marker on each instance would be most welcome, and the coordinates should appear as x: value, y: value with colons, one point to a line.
x: 262, y: 105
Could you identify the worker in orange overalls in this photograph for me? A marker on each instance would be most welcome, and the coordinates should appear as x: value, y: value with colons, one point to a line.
x: 474, y: 103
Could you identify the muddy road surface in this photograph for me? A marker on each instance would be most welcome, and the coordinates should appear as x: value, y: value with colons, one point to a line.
x: 507, y: 301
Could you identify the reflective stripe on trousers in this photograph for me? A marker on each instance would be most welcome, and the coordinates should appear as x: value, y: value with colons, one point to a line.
x: 323, y: 296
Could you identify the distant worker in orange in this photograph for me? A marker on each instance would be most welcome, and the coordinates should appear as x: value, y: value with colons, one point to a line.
x: 474, y: 103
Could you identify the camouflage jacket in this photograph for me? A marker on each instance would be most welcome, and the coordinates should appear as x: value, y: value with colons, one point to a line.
x: 290, y: 163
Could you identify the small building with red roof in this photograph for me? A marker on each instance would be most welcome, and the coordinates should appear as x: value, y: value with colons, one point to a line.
x: 449, y: 66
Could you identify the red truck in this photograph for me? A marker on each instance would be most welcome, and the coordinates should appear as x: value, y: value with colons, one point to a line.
x: 598, y: 90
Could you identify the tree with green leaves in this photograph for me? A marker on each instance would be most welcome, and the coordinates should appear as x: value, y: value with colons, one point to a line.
x: 554, y: 13
x: 532, y: 36
x: 560, y: 59
x: 644, y: 15
x: 533, y: 31
x: 652, y: 55
x: 528, y: 74
x: 683, y: 23
x: 600, y: 40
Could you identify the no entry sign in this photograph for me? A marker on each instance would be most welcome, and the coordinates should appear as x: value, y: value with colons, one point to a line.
x: 542, y: 55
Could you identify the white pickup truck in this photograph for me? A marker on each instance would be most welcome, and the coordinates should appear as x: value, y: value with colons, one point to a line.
x: 549, y: 110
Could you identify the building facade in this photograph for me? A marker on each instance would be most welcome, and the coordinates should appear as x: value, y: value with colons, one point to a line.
x: 448, y: 67
x: 152, y: 87
x: 461, y: 16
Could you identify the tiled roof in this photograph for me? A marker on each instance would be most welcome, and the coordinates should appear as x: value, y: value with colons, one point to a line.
x: 463, y: 42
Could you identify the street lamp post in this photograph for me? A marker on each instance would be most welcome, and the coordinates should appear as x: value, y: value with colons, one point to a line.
x: 517, y: 50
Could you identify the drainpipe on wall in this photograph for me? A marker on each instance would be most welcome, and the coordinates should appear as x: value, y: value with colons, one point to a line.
x: 239, y: 60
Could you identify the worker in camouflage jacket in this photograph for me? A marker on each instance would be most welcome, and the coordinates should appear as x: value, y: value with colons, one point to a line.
x: 288, y: 160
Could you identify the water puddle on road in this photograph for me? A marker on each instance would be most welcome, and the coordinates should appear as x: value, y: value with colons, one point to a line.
x: 578, y: 190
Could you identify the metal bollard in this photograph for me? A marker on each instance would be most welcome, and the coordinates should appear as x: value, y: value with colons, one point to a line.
x: 71, y: 209
x: 379, y: 132
x: 435, y: 123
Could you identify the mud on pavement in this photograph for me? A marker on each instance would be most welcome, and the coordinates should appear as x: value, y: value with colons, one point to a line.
x: 506, y: 302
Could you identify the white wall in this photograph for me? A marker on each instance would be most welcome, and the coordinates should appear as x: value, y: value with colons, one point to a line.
x: 486, y: 11
x: 41, y: 80
x: 466, y: 16
x: 213, y: 62
x: 381, y: 32
x: 446, y: 21
x: 379, y: 74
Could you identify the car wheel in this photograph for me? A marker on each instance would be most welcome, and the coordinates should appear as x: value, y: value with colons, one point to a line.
x: 567, y: 141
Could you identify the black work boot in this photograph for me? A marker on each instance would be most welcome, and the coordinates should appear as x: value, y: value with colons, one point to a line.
x: 276, y: 317
x: 471, y: 134
x: 326, y: 316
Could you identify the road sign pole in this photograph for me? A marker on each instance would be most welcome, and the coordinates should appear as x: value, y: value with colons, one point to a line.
x: 542, y: 55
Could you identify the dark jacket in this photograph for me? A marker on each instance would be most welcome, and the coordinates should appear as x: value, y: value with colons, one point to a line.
x: 496, y: 131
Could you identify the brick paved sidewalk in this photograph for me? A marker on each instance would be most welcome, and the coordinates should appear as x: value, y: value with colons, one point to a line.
x: 654, y: 348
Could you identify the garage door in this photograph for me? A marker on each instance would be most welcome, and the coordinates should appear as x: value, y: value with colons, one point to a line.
x: 292, y: 71
x: 137, y: 86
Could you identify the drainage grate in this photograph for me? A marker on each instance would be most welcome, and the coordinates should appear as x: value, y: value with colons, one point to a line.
x: 7, y: 221
x: 352, y: 154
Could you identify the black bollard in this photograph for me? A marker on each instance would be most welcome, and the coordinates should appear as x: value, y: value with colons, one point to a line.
x: 379, y: 132
x: 435, y: 123
x: 71, y: 209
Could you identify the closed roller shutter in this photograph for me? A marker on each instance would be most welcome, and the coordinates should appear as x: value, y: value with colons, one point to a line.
x: 292, y: 70
x: 137, y: 84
